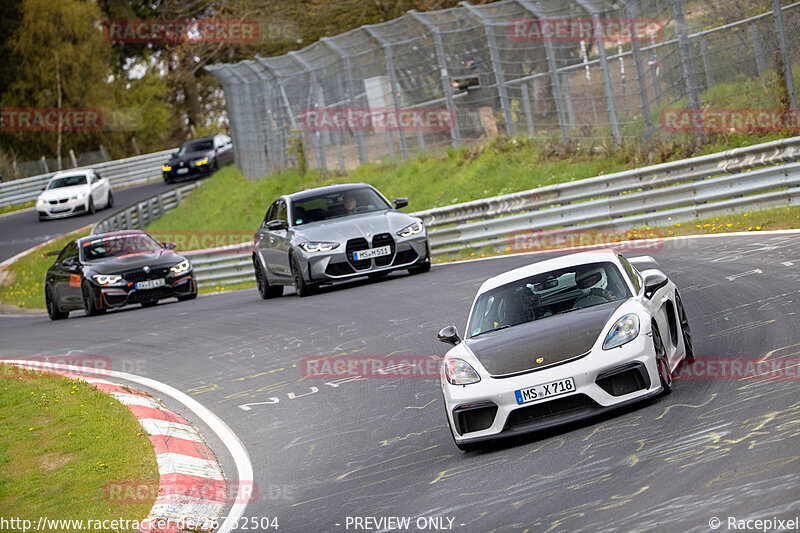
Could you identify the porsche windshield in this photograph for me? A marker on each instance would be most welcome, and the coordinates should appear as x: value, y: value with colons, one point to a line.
x: 337, y: 204
x: 67, y: 181
x: 545, y: 295
x: 119, y: 245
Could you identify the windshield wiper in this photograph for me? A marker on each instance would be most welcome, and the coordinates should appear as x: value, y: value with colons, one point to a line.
x: 490, y: 330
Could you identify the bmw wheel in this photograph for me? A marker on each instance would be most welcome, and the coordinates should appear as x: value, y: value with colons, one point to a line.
x: 265, y: 290
x: 52, y: 306
x: 90, y: 207
x: 110, y: 201
x: 300, y: 285
x: 89, y: 304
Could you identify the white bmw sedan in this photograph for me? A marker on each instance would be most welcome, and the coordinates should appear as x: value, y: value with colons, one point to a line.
x: 74, y: 192
x: 562, y: 340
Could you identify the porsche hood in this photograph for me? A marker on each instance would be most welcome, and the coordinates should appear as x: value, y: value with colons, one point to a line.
x: 552, y: 340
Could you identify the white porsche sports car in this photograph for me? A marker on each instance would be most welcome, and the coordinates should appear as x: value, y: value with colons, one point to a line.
x: 73, y: 192
x: 561, y: 340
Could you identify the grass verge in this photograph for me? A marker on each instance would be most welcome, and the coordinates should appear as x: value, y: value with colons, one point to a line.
x: 16, y: 207
x: 22, y: 282
x: 63, y: 443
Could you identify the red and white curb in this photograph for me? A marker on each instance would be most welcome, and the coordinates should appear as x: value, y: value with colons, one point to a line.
x: 192, y: 488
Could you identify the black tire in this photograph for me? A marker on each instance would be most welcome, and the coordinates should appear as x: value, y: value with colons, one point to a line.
x: 265, y: 290
x: 664, y: 372
x: 421, y: 269
x: 90, y: 210
x: 150, y: 303
x: 686, y: 331
x: 110, y: 203
x: 53, y: 310
x: 88, y: 300
x: 302, y: 288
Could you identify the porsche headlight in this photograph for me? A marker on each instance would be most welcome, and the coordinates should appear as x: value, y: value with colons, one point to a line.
x: 166, y: 168
x: 411, y: 229
x: 201, y: 162
x: 181, y: 267
x: 107, y: 279
x: 459, y: 372
x: 623, y: 331
x: 312, y: 247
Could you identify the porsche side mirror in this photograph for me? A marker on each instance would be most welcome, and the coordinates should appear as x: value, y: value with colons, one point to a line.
x: 449, y: 335
x: 169, y: 245
x: 400, y: 203
x: 275, y: 225
x: 653, y: 280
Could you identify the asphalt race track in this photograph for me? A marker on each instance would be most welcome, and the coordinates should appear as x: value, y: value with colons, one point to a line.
x: 325, y: 451
x: 21, y: 231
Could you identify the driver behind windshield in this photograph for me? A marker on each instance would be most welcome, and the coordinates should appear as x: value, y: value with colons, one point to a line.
x: 350, y: 203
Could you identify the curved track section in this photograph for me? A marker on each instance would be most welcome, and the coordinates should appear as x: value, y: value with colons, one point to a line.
x: 323, y: 451
x: 21, y: 231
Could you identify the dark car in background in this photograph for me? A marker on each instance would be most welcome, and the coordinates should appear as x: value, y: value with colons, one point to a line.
x: 100, y: 272
x: 198, y: 158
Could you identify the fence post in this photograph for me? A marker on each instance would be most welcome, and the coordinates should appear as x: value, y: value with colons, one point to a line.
x: 351, y: 89
x: 605, y: 74
x: 389, y: 56
x: 568, y: 99
x: 686, y: 60
x: 706, y: 63
x: 455, y: 134
x: 526, y: 106
x: 640, y: 75
x: 312, y: 72
x: 43, y: 161
x: 783, y: 44
x: 499, y: 78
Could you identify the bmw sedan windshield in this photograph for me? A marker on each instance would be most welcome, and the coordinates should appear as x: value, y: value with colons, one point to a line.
x: 337, y: 204
x: 547, y: 294
x: 119, y: 245
x: 67, y: 181
x: 205, y: 145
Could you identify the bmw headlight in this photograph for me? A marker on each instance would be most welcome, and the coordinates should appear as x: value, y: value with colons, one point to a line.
x: 181, y: 267
x: 166, y: 168
x: 201, y: 162
x: 107, y: 279
x: 79, y: 196
x: 411, y: 229
x: 40, y: 201
x: 312, y: 247
x: 459, y: 372
x: 623, y: 331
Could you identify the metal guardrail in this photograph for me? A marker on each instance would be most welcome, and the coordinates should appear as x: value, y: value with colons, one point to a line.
x: 128, y: 171
x: 145, y: 212
x: 754, y: 177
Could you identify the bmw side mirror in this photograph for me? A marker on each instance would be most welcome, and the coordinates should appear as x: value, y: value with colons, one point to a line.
x: 400, y: 203
x: 169, y: 245
x: 275, y: 225
x: 653, y: 280
x: 449, y: 335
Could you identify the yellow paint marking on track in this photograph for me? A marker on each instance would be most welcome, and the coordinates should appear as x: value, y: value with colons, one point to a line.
x: 253, y: 376
x: 751, y: 470
x: 339, y: 478
x: 204, y: 388
x: 560, y: 441
x: 669, y: 407
x: 623, y: 499
x: 396, y: 351
x: 393, y: 440
x: 741, y: 328
x: 557, y: 523
x: 776, y: 350
x: 423, y: 407
x: 311, y: 450
x: 461, y: 470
